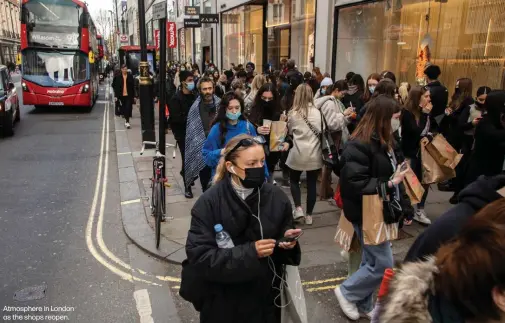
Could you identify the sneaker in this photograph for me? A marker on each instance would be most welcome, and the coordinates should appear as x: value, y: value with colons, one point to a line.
x: 420, y: 216
x: 350, y: 309
x: 275, y: 182
x: 127, y: 125
x: 367, y: 316
x: 298, y: 214
x: 308, y: 220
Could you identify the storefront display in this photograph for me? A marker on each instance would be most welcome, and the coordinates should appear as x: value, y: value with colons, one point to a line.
x: 302, y: 33
x: 242, y: 36
x: 466, y: 38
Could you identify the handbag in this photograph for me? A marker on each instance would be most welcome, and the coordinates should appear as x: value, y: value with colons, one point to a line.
x: 338, y: 197
x: 328, y: 149
x: 391, y: 208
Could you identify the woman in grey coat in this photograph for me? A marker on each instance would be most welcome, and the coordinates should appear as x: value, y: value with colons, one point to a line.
x: 304, y: 125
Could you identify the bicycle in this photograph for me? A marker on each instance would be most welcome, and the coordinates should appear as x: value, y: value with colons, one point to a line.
x: 157, y: 205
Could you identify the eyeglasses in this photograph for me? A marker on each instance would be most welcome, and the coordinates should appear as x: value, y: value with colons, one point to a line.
x: 247, y: 142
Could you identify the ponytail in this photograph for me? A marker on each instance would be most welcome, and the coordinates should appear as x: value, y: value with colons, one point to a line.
x: 220, y: 171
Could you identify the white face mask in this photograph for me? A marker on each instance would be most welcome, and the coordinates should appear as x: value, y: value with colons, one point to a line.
x: 395, y: 124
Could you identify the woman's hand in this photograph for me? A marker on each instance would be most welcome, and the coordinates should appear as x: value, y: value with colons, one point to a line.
x: 284, y: 146
x: 283, y: 117
x: 265, y: 247
x: 399, y: 175
x: 264, y: 130
x: 427, y: 108
x: 448, y: 111
x: 475, y: 121
x: 289, y: 234
x: 348, y: 111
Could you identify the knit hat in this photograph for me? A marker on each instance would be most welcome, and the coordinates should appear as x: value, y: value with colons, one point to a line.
x: 326, y: 81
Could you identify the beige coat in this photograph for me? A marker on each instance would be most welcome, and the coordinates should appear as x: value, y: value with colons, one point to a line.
x: 306, y: 152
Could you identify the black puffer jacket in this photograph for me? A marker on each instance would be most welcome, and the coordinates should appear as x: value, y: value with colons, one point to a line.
x: 445, y: 228
x: 179, y: 106
x: 363, y: 167
x: 234, y: 285
x: 439, y: 98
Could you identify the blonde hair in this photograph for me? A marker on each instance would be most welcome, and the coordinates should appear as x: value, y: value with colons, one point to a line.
x: 303, y: 99
x: 221, y: 167
x: 403, y: 91
x: 258, y: 82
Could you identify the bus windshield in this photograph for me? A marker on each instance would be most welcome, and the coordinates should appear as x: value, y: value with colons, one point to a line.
x: 55, y: 68
x: 53, y: 23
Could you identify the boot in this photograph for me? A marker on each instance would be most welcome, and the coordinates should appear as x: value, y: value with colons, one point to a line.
x: 188, y: 193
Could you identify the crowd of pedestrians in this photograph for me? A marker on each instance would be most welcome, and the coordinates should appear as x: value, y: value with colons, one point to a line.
x: 367, y: 131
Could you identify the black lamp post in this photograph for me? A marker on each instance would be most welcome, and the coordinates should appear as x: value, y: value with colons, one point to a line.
x: 145, y: 84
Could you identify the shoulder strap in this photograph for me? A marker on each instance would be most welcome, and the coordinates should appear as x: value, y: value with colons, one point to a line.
x: 311, y: 127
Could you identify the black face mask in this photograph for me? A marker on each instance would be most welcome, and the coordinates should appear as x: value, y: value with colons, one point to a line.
x: 479, y: 105
x: 457, y: 91
x: 267, y: 104
x: 254, y: 177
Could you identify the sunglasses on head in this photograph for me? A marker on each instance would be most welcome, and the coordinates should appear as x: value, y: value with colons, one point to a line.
x: 247, y: 142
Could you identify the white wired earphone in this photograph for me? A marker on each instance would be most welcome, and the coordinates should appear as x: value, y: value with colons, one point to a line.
x: 271, y: 263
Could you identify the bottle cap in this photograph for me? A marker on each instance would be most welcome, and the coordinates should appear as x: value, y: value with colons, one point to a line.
x: 388, y: 276
x: 218, y: 228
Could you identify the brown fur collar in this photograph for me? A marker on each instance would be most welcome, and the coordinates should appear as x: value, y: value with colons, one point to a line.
x: 407, y: 300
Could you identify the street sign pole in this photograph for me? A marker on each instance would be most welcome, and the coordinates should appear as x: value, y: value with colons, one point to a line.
x: 163, y: 80
x: 145, y: 84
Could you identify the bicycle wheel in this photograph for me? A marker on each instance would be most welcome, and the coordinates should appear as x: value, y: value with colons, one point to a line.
x: 158, y: 212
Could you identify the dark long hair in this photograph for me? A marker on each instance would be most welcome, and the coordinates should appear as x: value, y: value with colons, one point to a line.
x: 414, y: 99
x: 368, y: 95
x: 377, y: 121
x: 257, y: 109
x: 386, y: 87
x: 221, y: 113
x: 465, y: 86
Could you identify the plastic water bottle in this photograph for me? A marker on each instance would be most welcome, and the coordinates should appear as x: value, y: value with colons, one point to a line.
x: 223, y: 239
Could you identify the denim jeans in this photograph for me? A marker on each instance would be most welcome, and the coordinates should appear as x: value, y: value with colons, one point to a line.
x: 359, y: 288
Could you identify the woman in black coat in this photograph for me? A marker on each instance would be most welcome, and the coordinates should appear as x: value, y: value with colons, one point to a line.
x: 415, y: 122
x: 240, y: 284
x: 370, y: 163
x: 489, y: 151
x: 266, y: 105
x: 454, y: 126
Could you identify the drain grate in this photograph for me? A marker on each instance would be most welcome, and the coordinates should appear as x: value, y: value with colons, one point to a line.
x: 30, y: 293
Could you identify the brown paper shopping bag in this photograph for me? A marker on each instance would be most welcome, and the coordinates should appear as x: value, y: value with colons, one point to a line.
x: 413, y: 187
x: 375, y: 231
x: 278, y: 131
x: 345, y: 235
x: 443, y: 153
x: 432, y: 171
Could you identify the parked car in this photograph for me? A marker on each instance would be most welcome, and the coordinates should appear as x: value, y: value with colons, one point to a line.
x: 9, y: 103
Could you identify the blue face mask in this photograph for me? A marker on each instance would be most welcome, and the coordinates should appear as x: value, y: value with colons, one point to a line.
x: 371, y: 89
x: 233, y: 116
x: 190, y: 86
x: 323, y: 91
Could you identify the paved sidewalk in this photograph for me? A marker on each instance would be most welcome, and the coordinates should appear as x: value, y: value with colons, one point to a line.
x: 135, y: 172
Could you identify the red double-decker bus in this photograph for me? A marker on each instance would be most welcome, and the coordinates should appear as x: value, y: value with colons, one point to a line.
x: 99, y: 40
x: 58, y: 50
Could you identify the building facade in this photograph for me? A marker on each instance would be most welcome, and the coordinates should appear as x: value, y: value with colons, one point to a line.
x: 466, y: 38
x: 9, y: 31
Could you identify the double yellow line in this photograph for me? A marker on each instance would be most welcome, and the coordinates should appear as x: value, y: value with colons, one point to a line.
x: 323, y: 282
x: 105, y: 256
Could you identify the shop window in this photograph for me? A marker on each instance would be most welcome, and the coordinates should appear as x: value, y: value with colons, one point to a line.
x: 466, y: 38
x: 242, y: 32
x: 303, y: 33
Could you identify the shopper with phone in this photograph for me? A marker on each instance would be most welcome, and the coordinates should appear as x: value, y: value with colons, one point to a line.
x: 415, y: 125
x: 369, y: 163
x: 229, y: 285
